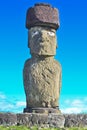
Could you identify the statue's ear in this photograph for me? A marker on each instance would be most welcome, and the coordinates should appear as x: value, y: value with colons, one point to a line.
x: 28, y: 40
x: 56, y: 45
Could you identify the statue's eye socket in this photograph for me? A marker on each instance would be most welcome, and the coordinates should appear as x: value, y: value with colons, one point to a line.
x: 51, y: 33
x: 35, y: 33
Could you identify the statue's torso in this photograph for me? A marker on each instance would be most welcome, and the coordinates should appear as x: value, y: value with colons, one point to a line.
x: 42, y: 79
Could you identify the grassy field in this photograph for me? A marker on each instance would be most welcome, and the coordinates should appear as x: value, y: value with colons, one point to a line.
x: 36, y: 128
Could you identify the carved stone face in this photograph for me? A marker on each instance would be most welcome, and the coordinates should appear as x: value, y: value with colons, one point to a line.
x: 42, y: 41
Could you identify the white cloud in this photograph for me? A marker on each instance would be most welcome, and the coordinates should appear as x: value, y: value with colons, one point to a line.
x: 67, y: 101
x: 20, y: 104
x: 77, y: 102
x: 85, y: 99
x: 4, y: 106
x: 17, y: 107
x: 74, y: 110
x: 71, y: 110
x: 11, y: 104
x: 2, y: 96
x: 74, y: 106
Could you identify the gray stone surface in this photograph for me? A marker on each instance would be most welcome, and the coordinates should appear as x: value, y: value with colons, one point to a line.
x: 42, y: 110
x: 42, y: 41
x: 44, y: 120
x: 75, y: 120
x: 31, y: 119
x: 42, y: 73
x: 41, y: 120
x: 8, y: 119
x: 42, y: 82
x: 55, y: 120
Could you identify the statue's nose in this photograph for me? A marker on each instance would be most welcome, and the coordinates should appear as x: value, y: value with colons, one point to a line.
x: 44, y: 34
x: 41, y: 36
x: 41, y: 39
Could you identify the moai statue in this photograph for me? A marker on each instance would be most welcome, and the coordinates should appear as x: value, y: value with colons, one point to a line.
x: 42, y: 73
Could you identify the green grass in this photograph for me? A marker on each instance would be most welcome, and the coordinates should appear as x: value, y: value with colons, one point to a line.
x: 37, y: 128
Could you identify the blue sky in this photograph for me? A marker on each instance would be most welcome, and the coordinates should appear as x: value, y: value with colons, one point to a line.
x: 72, y: 53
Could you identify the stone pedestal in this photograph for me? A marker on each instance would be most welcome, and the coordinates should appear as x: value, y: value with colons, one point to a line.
x: 41, y: 120
x: 53, y: 120
x: 42, y: 110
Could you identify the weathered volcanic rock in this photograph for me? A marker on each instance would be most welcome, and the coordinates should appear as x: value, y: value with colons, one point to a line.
x: 31, y: 119
x: 44, y: 120
x: 41, y: 73
x: 42, y: 81
x: 8, y: 119
x: 41, y: 120
x: 56, y: 120
x: 42, y: 15
x: 42, y: 41
x: 75, y: 120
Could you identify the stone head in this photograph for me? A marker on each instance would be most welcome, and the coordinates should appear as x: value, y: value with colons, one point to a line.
x: 42, y: 21
x: 42, y: 40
